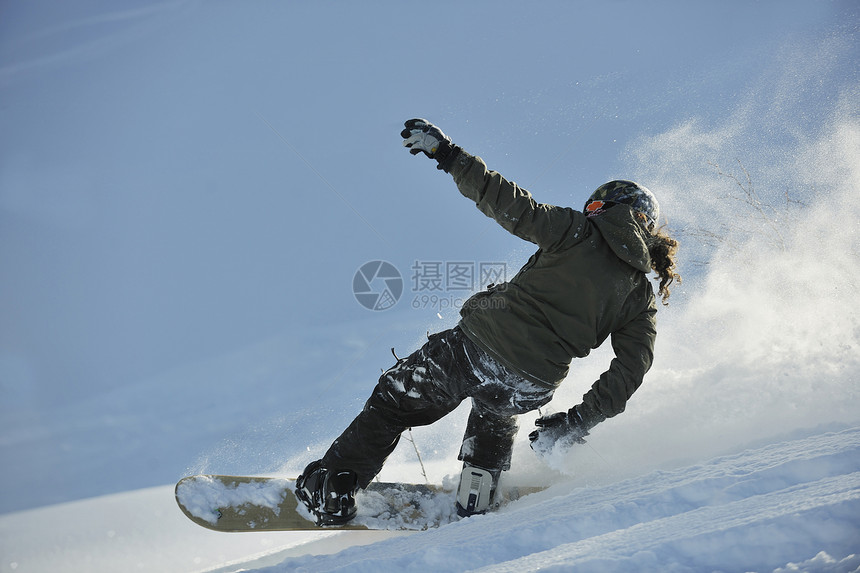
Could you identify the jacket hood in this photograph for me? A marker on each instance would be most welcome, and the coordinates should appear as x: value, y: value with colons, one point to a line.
x: 625, y: 236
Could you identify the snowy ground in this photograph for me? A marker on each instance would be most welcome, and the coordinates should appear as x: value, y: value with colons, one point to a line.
x: 787, y: 506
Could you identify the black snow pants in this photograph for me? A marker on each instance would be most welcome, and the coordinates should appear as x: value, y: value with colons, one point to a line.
x: 425, y: 386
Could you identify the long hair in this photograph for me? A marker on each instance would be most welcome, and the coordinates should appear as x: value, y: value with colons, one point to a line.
x: 662, y: 248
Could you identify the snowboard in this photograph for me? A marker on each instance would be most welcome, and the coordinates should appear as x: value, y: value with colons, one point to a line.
x: 247, y: 503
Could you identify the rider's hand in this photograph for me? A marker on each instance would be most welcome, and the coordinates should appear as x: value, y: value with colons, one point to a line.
x: 421, y: 136
x: 565, y: 427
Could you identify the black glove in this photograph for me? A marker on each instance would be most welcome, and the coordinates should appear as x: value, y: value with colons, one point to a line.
x: 564, y: 427
x: 422, y: 136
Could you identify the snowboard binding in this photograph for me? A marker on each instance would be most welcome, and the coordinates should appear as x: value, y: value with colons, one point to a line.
x: 476, y: 491
x: 329, y: 495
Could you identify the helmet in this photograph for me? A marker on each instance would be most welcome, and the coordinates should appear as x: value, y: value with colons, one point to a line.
x: 638, y: 197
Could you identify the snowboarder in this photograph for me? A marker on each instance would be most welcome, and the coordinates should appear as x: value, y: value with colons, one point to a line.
x: 586, y: 282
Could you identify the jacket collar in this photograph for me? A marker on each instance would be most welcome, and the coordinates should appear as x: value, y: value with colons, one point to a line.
x: 625, y: 236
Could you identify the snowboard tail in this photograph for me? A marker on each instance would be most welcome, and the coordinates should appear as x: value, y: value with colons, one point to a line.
x: 246, y: 503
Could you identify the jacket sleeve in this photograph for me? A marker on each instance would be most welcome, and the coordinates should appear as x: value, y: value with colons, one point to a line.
x: 634, y: 352
x: 514, y: 208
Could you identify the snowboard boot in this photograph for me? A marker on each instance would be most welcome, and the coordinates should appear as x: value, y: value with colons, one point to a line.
x: 477, y: 490
x: 329, y: 495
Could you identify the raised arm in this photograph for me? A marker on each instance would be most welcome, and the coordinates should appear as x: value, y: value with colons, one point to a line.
x: 511, y: 206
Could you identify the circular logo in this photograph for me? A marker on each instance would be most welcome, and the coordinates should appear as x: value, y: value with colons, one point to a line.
x: 377, y: 285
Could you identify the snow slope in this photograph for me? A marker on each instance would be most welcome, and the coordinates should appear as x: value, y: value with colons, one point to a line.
x: 135, y: 530
x: 791, y: 502
x: 753, y: 511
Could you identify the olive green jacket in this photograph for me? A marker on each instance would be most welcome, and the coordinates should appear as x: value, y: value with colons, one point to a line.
x: 586, y: 282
